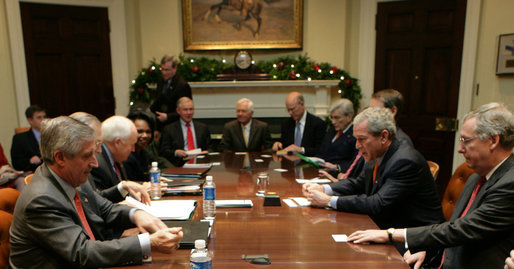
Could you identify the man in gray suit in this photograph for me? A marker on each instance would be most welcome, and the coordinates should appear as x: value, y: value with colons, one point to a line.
x: 60, y: 222
x: 246, y: 133
x: 479, y: 233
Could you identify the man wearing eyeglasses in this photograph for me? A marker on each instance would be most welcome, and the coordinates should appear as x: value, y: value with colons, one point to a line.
x: 480, y: 231
x: 302, y: 132
x: 169, y: 89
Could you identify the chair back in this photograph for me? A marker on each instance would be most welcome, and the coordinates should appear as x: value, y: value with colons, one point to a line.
x: 434, y: 168
x: 5, y: 246
x: 8, y: 197
x: 18, y: 130
x: 454, y: 188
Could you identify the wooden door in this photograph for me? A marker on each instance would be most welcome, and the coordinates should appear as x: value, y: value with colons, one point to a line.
x: 418, y: 52
x: 68, y: 58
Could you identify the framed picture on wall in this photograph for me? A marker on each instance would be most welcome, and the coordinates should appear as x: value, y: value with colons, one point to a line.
x: 505, y: 64
x: 242, y: 24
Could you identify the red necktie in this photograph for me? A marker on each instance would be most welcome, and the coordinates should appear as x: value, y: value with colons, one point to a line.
x: 480, y: 183
x: 375, y: 172
x: 82, y: 216
x: 339, y: 134
x: 190, y: 140
x: 353, y: 165
x: 118, y: 173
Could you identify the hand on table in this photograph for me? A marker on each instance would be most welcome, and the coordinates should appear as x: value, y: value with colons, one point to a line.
x: 324, y: 173
x: 367, y: 236
x: 293, y: 148
x: 277, y: 146
x: 328, y: 166
x: 147, y: 223
x: 166, y: 240
x: 318, y: 198
x: 138, y: 191
x: 307, y: 187
x: 509, y: 262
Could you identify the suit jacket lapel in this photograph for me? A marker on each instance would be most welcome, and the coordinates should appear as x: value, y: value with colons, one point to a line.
x: 385, y: 165
x: 178, y: 132
x: 105, y: 165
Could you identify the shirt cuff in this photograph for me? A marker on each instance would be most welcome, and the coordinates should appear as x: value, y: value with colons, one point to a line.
x: 144, y: 241
x: 131, y: 214
x: 327, y: 189
x: 122, y: 191
x: 333, y: 202
x: 405, y: 236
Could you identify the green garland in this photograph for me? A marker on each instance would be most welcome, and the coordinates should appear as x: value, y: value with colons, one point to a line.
x: 283, y: 68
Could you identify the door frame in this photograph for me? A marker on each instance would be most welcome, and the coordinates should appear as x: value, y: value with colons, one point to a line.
x: 366, y: 70
x: 118, y: 40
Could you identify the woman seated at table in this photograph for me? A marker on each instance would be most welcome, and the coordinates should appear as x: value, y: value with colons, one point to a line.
x: 338, y: 147
x: 146, y: 149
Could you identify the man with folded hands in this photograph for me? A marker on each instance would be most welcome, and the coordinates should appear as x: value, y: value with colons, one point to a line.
x: 60, y: 222
x: 396, y: 188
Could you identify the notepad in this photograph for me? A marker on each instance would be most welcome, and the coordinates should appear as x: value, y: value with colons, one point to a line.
x: 313, y: 180
x: 192, y: 231
x: 340, y: 237
x: 166, y: 209
x: 233, y: 203
x: 197, y: 165
x: 301, y: 201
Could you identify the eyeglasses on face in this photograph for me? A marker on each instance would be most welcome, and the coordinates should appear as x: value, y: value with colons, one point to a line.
x: 465, y: 141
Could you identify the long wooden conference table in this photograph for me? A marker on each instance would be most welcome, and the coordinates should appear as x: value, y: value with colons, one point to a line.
x: 293, y: 237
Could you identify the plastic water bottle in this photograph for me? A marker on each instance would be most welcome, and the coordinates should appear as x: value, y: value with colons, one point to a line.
x: 200, y: 257
x: 155, y: 179
x: 209, y: 198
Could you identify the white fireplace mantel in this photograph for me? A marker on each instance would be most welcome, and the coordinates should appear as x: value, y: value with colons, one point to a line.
x: 217, y: 99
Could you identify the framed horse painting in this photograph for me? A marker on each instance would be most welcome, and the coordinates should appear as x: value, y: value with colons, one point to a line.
x: 242, y: 24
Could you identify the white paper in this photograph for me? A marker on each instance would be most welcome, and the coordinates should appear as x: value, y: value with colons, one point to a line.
x: 166, y: 209
x: 316, y: 159
x: 240, y: 153
x: 197, y: 151
x: 258, y: 160
x: 234, y: 203
x: 280, y: 170
x: 313, y: 180
x: 340, y: 237
x: 290, y: 202
x: 213, y: 153
x: 216, y: 164
x: 266, y: 156
x: 197, y: 165
x: 301, y: 201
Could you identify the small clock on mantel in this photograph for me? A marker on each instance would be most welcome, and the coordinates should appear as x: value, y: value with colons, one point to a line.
x: 243, y: 69
x: 243, y: 60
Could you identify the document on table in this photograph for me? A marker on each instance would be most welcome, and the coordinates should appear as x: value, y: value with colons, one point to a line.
x: 234, y: 203
x: 313, y: 180
x: 197, y: 165
x: 340, y: 237
x: 301, y: 201
x: 166, y: 209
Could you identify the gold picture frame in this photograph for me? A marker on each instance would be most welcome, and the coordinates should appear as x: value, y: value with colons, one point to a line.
x: 234, y: 24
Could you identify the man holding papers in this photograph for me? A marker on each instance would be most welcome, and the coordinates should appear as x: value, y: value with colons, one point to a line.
x: 396, y: 188
x: 185, y: 135
x: 56, y: 224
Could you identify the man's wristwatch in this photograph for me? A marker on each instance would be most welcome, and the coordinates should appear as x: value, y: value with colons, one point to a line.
x: 390, y: 233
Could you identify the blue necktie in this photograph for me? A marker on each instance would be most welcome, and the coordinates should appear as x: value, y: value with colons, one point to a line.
x: 166, y: 87
x: 298, y: 137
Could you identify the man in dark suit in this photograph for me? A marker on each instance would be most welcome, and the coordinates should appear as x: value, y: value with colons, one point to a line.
x: 245, y: 133
x: 480, y: 231
x: 396, y: 188
x: 184, y: 135
x: 393, y: 100
x: 169, y: 89
x: 302, y: 132
x: 119, y: 137
x: 60, y: 222
x: 25, y: 154
x: 338, y: 147
x: 117, y: 192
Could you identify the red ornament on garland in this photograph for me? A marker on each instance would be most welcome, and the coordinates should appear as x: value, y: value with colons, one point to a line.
x: 140, y: 91
x: 334, y: 69
x: 292, y: 75
x: 348, y: 83
x: 195, y: 69
x: 281, y: 65
x: 316, y: 67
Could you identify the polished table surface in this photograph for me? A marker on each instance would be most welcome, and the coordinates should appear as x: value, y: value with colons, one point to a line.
x: 293, y: 237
